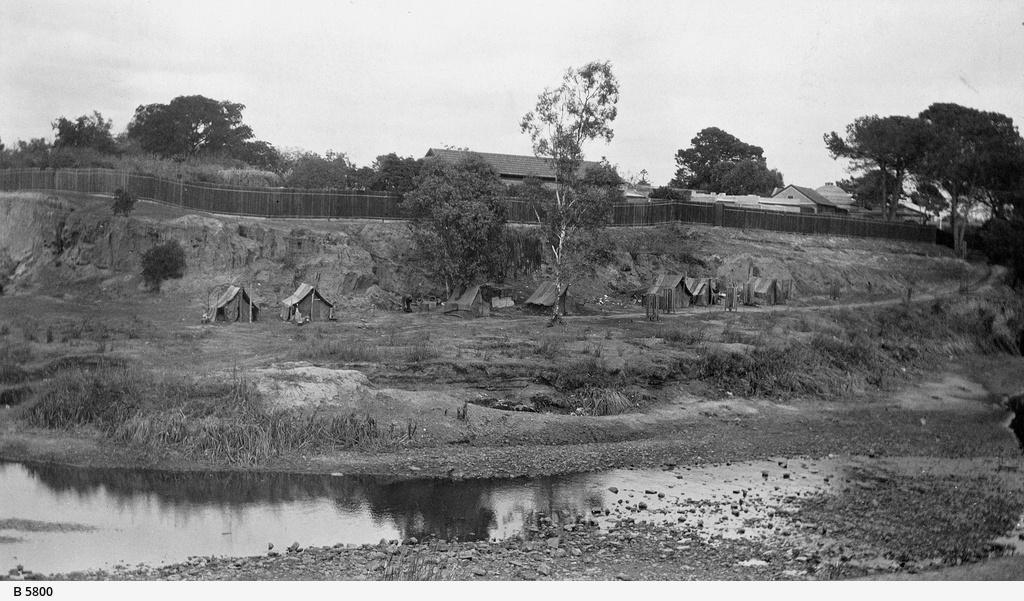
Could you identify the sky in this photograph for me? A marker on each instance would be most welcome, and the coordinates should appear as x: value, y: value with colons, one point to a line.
x: 369, y: 78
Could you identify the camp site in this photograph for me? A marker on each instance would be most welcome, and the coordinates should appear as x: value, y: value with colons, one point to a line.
x: 438, y: 292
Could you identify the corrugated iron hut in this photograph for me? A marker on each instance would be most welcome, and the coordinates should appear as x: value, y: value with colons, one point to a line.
x: 670, y: 292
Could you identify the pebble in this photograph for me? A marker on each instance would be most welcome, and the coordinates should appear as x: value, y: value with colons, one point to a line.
x: 613, y: 490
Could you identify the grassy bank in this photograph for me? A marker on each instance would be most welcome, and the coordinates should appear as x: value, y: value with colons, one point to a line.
x: 135, y: 383
x: 202, y: 417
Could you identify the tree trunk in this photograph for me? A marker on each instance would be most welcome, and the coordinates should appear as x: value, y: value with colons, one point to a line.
x: 559, y: 279
x: 885, y: 195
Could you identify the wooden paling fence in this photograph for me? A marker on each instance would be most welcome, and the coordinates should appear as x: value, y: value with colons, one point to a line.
x: 341, y: 204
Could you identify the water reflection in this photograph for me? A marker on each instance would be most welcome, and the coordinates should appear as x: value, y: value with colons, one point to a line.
x: 154, y: 517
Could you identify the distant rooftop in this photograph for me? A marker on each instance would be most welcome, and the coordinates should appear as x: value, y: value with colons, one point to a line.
x: 836, y: 195
x: 510, y: 166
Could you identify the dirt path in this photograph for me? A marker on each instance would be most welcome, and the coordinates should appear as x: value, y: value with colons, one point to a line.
x: 986, y: 282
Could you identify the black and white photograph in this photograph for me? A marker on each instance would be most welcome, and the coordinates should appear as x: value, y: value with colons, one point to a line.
x: 659, y: 292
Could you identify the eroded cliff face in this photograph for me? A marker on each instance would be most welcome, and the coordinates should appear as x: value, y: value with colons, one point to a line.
x: 54, y: 246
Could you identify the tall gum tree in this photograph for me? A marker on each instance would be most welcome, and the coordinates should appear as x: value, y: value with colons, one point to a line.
x: 565, y: 118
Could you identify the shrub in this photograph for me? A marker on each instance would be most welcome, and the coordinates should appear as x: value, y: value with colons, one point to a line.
x: 124, y: 202
x: 162, y: 262
x: 603, y: 401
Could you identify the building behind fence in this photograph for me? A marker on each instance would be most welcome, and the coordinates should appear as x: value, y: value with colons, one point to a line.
x: 337, y: 204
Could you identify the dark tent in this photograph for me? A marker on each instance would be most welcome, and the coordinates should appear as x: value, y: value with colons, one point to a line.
x: 700, y: 290
x: 470, y: 303
x: 309, y: 303
x: 233, y: 305
x: 763, y: 291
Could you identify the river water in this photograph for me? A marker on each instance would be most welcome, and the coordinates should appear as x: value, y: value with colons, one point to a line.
x: 57, y: 519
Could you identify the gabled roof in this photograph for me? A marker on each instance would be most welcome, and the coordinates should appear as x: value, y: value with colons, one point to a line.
x: 301, y: 292
x: 508, y: 165
x: 545, y: 295
x: 229, y: 295
x: 695, y: 286
x: 665, y: 281
x: 465, y: 300
x: 808, y: 193
x: 835, y: 195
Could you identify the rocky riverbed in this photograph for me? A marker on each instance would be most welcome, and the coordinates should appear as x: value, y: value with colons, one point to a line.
x: 801, y: 519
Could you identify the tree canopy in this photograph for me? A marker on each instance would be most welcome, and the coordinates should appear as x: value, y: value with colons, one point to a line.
x: 191, y: 125
x: 87, y: 131
x: 458, y: 220
x: 977, y: 159
x: 894, y: 145
x: 718, y: 161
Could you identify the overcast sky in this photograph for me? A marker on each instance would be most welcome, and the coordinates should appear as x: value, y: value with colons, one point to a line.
x: 368, y: 78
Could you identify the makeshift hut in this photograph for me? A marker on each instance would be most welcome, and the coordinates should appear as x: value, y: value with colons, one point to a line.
x: 670, y: 292
x: 468, y: 303
x: 547, y: 294
x: 308, y: 303
x: 233, y: 305
x: 762, y: 291
x: 700, y: 291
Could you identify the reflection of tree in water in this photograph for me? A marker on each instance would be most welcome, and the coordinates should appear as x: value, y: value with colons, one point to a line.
x: 207, y: 488
x: 446, y: 509
x: 442, y: 508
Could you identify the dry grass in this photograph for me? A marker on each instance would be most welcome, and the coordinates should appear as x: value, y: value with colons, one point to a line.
x: 199, y: 417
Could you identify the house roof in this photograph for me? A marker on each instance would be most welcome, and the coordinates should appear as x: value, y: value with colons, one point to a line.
x: 835, y: 195
x: 811, y: 195
x: 508, y: 165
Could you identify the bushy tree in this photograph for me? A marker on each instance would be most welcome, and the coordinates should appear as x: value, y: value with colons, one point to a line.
x: 190, y: 125
x: 718, y: 161
x: 87, y: 131
x: 163, y: 262
x: 578, y: 111
x: 977, y: 158
x: 32, y: 154
x: 310, y: 170
x: 392, y: 173
x: 669, y: 193
x: 747, y: 176
x: 895, y: 146
x: 458, y: 220
x: 124, y: 202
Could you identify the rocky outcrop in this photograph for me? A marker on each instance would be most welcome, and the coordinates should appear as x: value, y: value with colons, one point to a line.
x: 47, y: 243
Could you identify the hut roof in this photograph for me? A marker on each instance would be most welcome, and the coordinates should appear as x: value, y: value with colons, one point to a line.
x: 665, y: 281
x: 545, y: 295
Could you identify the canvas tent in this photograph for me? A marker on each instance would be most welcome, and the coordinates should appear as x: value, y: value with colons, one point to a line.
x: 762, y: 291
x: 670, y: 292
x: 546, y: 294
x: 233, y: 305
x: 309, y: 303
x: 468, y: 303
x: 701, y: 291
